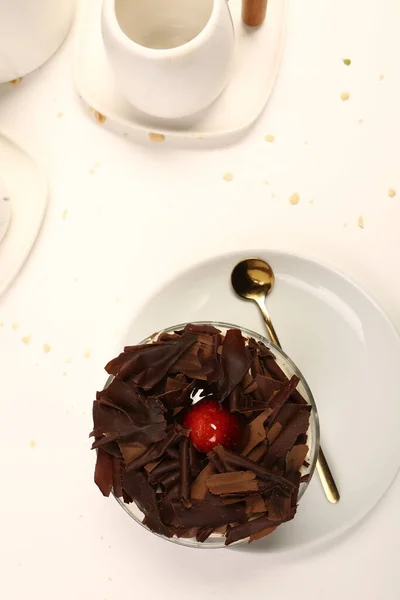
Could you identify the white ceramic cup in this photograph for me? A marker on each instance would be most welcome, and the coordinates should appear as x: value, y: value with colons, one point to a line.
x: 171, y: 58
x: 30, y: 32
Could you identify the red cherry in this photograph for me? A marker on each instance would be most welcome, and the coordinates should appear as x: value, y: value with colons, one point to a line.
x: 210, y: 425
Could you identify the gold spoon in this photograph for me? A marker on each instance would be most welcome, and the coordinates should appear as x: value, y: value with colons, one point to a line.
x: 253, y: 279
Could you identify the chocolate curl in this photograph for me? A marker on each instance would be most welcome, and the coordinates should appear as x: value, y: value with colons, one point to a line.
x: 287, y: 438
x: 157, y: 450
x: 204, y: 533
x: 172, y: 452
x: 256, y: 431
x: 234, y: 399
x: 137, y: 487
x: 261, y: 534
x: 295, y: 458
x: 146, y: 365
x: 172, y: 493
x: 283, y: 396
x: 253, y: 12
x: 160, y: 470
x: 195, y: 466
x: 103, y: 475
x: 236, y: 482
x: 241, y: 462
x: 118, y: 470
x: 185, y: 473
x: 276, y: 372
x: 216, y: 461
x: 250, y: 528
x: 199, y: 487
x: 168, y: 480
x: 203, y: 513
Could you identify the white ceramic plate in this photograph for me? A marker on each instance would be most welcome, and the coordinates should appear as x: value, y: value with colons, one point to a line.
x: 257, y: 61
x: 27, y: 189
x: 348, y: 351
x: 5, y: 209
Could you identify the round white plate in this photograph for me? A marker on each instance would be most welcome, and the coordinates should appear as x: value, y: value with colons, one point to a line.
x: 348, y: 351
x: 5, y: 209
x: 27, y: 189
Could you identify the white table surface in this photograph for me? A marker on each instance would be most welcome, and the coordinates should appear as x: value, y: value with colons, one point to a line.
x: 96, y: 263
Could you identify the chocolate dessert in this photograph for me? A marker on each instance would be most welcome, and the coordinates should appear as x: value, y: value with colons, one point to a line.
x: 204, y: 432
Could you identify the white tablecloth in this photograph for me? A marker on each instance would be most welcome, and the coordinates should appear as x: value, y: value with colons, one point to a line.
x: 122, y: 219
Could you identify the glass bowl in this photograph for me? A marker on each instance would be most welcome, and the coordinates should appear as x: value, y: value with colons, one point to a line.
x: 289, y: 368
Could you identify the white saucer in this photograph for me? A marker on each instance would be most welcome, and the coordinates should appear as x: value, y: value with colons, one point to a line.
x: 348, y: 351
x: 27, y: 189
x: 5, y: 210
x: 256, y: 66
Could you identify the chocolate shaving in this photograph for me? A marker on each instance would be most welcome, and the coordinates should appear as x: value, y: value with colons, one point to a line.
x: 146, y: 365
x: 287, y: 437
x: 136, y: 485
x: 295, y: 458
x: 240, y: 462
x: 248, y: 529
x: 232, y: 483
x: 203, y: 513
x: 283, y: 396
x: 168, y: 480
x: 160, y: 470
x: 255, y: 504
x: 258, y: 451
x: 120, y: 414
x: 185, y: 473
x: 199, y: 487
x: 273, y: 433
x: 172, y: 452
x: 276, y: 372
x: 131, y: 450
x: 204, y: 533
x: 256, y: 431
x: 158, y: 450
x: 235, y: 362
x: 118, y: 470
x: 103, y: 475
x: 257, y: 536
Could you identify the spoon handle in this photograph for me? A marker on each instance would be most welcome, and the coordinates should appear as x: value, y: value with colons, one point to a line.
x: 268, y: 323
x: 326, y: 477
x: 324, y: 472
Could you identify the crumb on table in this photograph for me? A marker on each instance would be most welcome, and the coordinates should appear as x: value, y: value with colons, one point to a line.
x: 344, y: 96
x: 227, y: 176
x: 294, y: 199
x: 99, y: 117
x: 392, y: 193
x: 269, y: 138
x: 360, y: 222
x: 156, y: 137
x: 46, y: 348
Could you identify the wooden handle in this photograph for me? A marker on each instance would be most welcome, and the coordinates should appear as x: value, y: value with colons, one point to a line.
x: 253, y: 12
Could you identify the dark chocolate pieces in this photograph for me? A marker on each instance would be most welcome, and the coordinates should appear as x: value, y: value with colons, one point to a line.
x: 145, y: 455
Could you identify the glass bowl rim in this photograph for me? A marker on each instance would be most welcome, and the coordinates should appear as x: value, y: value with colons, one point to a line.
x: 314, y: 449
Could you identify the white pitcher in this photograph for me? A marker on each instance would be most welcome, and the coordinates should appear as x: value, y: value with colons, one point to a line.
x: 30, y: 32
x: 171, y: 58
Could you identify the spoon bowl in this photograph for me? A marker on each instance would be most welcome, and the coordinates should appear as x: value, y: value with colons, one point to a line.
x: 252, y: 278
